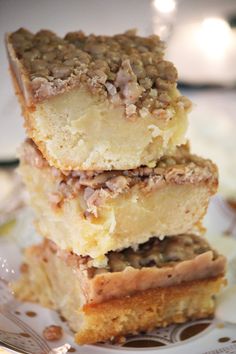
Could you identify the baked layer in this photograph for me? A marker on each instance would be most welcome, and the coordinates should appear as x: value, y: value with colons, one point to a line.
x: 48, y: 280
x: 82, y: 122
x: 94, y: 213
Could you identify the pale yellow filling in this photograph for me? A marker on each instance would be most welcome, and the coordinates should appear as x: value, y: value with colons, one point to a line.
x: 77, y: 130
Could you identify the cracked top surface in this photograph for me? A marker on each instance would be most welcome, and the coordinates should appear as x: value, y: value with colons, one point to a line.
x: 126, y: 68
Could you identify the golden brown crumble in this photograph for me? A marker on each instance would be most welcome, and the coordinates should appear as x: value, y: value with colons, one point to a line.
x: 126, y: 68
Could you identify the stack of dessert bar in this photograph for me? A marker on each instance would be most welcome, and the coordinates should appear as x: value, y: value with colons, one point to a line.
x: 118, y: 197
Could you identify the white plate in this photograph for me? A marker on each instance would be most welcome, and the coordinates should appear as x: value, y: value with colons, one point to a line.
x: 21, y: 324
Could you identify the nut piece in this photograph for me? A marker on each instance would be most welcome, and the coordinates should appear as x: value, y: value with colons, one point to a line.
x: 53, y: 332
x: 24, y: 268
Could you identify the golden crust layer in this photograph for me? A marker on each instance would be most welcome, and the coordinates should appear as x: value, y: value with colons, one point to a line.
x: 148, y: 309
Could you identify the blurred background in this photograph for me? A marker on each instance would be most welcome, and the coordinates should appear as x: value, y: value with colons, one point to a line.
x: 201, y: 39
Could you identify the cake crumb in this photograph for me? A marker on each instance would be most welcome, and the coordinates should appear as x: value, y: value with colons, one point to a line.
x: 52, y: 333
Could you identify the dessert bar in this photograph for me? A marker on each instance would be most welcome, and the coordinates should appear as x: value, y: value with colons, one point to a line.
x: 97, y: 102
x: 94, y: 212
x: 162, y: 282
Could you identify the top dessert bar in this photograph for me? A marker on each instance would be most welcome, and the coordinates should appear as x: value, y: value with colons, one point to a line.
x: 97, y: 102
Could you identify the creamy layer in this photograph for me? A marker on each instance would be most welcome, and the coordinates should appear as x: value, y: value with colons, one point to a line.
x: 76, y: 131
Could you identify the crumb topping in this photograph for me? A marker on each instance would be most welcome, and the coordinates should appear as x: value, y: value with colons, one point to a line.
x: 126, y: 68
x: 153, y: 253
x: 97, y: 186
x: 158, y: 253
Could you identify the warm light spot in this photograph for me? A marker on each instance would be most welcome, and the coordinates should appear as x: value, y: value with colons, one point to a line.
x: 165, y: 6
x: 214, y: 37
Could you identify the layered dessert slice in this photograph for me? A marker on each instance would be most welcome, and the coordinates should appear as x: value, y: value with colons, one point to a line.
x: 162, y: 282
x: 94, y: 212
x: 97, y: 102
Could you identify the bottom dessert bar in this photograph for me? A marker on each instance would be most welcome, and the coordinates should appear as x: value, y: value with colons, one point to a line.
x: 162, y: 282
